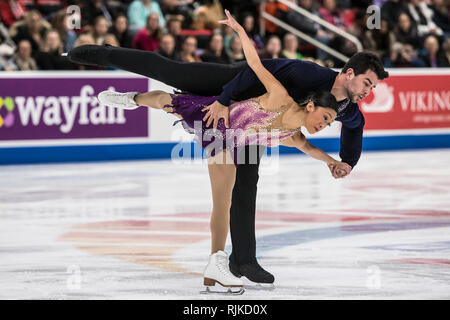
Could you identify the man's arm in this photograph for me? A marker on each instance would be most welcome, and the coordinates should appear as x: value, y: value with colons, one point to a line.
x: 351, y: 138
x: 301, y: 75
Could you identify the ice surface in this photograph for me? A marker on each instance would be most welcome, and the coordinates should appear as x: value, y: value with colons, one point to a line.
x: 140, y: 230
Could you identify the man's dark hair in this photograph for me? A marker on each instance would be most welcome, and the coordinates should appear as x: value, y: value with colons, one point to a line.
x: 363, y: 61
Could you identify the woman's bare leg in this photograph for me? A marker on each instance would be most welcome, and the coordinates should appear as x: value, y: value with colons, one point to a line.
x: 222, y: 174
x: 156, y: 99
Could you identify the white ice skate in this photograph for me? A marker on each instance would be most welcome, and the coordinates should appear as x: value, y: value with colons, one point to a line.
x: 119, y: 100
x: 217, y: 272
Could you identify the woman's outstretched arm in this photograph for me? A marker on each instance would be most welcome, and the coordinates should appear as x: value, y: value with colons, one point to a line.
x: 300, y: 142
x: 277, y: 94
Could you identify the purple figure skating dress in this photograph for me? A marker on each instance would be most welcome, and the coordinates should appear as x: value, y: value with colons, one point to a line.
x: 248, y: 122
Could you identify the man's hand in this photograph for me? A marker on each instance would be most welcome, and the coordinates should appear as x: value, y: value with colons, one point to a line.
x: 339, y: 169
x: 215, y: 111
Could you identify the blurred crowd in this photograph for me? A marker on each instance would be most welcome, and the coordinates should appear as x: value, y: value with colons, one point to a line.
x: 34, y: 33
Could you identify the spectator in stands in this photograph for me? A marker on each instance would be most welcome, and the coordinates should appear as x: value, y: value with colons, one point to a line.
x: 330, y: 13
x: 94, y: 8
x: 7, y: 45
x: 216, y: 51
x: 405, y: 31
x: 47, y: 7
x: 148, y: 38
x: 309, y: 27
x: 208, y: 15
x: 11, y: 11
x: 188, y: 50
x: 6, y: 65
x: 303, y: 23
x: 432, y: 55
x: 67, y: 36
x: 441, y: 15
x: 236, y: 51
x: 180, y: 9
x: 29, y: 4
x: 49, y: 56
x: 120, y: 30
x: 167, y: 47
x: 22, y: 59
x: 423, y: 18
x: 272, y: 50
x: 248, y: 23
x: 290, y: 47
x: 379, y: 41
x: 227, y: 34
x: 446, y: 47
x: 83, y: 39
x: 110, y: 39
x: 139, y: 10
x: 33, y: 29
x: 173, y: 27
x: 100, y: 29
x: 278, y: 10
x: 404, y: 55
x: 391, y: 10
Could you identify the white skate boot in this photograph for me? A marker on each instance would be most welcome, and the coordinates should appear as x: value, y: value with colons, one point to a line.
x: 217, y: 272
x: 119, y: 100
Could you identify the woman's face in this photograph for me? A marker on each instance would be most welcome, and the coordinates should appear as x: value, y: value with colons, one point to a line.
x: 236, y: 45
x: 273, y: 46
x: 101, y: 27
x: 330, y: 5
x: 35, y: 21
x: 153, y: 21
x: 290, y: 42
x: 216, y: 43
x: 404, y: 22
x: 249, y: 23
x: 121, y: 24
x: 52, y: 40
x: 318, y: 117
x: 190, y: 45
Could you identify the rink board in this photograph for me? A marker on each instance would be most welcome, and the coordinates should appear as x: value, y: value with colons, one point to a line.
x: 50, y: 117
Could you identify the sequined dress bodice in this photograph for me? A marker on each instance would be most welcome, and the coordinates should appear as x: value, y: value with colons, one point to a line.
x: 249, y: 121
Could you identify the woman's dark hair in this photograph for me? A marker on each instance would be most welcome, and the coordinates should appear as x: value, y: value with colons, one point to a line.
x: 363, y: 61
x: 321, y: 99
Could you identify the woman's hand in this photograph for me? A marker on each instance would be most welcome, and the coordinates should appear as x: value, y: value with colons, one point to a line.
x: 339, y: 169
x: 231, y: 22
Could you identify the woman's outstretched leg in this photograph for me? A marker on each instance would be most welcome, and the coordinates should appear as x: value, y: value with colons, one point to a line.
x: 200, y: 78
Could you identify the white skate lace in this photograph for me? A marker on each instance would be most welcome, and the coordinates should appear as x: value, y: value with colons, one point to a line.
x: 221, y: 264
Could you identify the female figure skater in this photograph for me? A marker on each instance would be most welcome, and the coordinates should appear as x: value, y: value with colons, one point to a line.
x: 270, y: 119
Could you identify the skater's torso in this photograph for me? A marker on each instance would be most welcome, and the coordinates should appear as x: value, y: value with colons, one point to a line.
x: 248, y: 119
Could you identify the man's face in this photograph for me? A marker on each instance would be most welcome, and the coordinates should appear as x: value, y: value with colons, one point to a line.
x: 359, y: 87
x: 167, y: 44
x: 24, y: 50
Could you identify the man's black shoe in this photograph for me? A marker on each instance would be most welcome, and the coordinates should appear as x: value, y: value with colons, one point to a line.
x: 252, y: 271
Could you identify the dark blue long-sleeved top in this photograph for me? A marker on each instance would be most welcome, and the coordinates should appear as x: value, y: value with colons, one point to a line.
x: 301, y: 78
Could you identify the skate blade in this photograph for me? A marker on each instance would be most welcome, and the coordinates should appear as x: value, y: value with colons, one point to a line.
x: 260, y: 286
x: 234, y: 291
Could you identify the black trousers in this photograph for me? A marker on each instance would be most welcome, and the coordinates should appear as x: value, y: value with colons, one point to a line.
x: 203, y: 79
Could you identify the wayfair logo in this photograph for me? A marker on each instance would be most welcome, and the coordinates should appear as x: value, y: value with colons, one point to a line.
x: 7, y: 119
x: 62, y: 111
